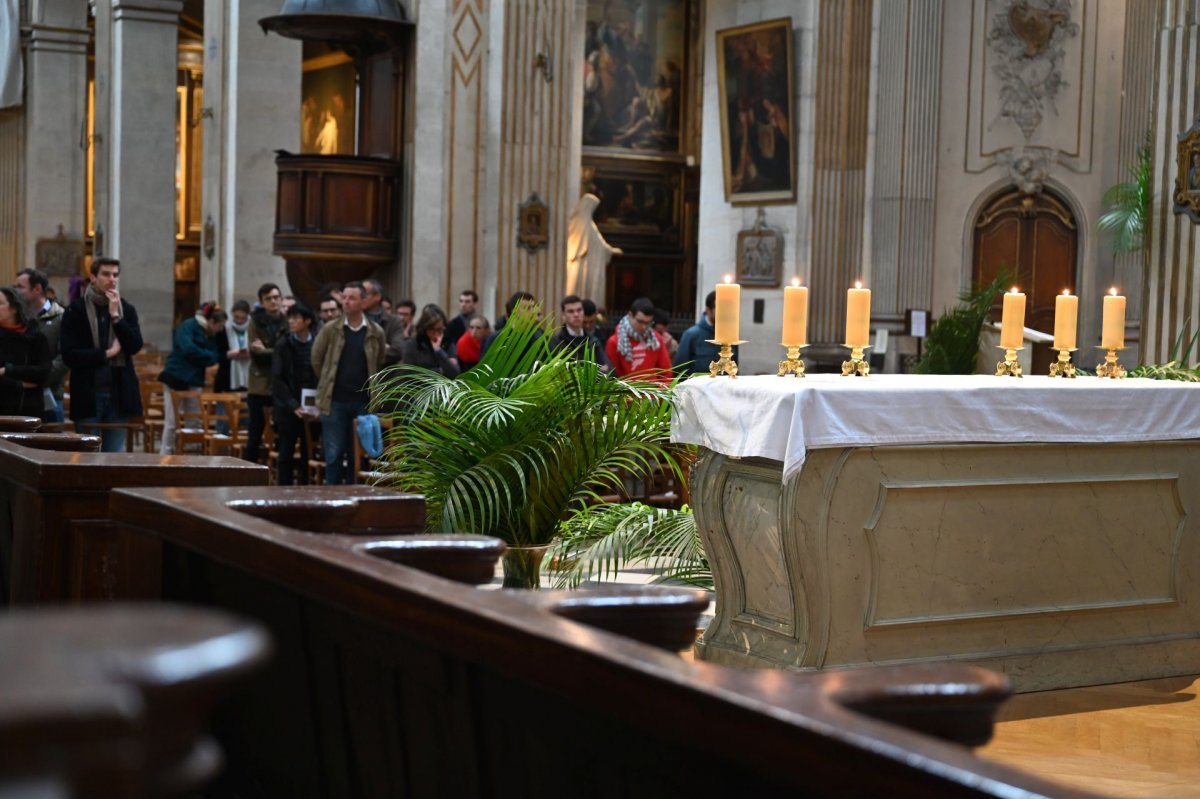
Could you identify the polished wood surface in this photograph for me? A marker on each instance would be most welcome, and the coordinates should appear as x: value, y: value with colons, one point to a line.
x: 394, y: 682
x: 58, y: 442
x: 19, y: 424
x: 1138, y: 739
x: 112, y: 701
x: 56, y: 542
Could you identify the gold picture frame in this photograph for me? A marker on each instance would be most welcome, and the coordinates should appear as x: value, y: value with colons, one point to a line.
x: 1187, y: 172
x: 755, y: 77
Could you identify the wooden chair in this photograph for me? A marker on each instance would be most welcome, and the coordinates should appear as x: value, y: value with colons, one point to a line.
x: 189, y: 422
x: 316, y: 454
x: 221, y: 414
x: 366, y: 468
x: 153, y: 414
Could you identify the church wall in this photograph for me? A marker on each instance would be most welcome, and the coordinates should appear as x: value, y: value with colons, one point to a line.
x: 12, y: 184
x: 1073, y: 148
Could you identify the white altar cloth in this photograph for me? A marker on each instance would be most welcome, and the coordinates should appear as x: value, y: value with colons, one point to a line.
x: 781, y: 418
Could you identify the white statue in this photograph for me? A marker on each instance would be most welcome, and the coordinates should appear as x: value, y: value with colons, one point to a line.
x: 588, y: 253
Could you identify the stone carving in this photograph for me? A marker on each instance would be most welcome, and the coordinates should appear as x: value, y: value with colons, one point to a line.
x: 588, y: 253
x: 59, y: 256
x: 1028, y: 167
x: 1028, y: 39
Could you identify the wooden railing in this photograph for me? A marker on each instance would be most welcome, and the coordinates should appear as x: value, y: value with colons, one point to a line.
x: 393, y: 681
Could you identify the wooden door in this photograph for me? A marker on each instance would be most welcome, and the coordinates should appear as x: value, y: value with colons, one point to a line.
x: 1035, y: 237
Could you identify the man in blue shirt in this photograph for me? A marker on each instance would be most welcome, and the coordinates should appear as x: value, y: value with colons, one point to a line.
x: 695, y: 353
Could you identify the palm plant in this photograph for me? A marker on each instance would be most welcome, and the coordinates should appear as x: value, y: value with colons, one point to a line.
x: 1129, y: 204
x: 513, y: 446
x: 598, y: 543
x: 1176, y: 367
x: 953, y: 343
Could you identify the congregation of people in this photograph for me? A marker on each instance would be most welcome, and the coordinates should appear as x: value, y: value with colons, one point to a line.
x: 303, y: 372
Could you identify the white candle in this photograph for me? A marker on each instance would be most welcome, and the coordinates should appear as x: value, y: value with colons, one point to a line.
x: 858, y: 316
x: 795, y: 315
x: 1113, y: 335
x: 1066, y: 318
x: 1012, y: 321
x: 728, y: 311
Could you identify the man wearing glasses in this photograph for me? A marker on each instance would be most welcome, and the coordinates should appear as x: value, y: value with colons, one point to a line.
x: 635, y: 349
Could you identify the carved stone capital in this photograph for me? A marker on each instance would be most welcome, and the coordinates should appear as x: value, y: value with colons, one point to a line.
x: 1028, y: 167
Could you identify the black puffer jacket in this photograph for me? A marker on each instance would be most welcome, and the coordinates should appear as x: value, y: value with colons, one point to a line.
x: 25, y: 356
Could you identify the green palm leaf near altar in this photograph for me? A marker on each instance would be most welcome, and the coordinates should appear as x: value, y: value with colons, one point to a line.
x: 513, y: 445
x: 953, y: 343
x: 1129, y: 205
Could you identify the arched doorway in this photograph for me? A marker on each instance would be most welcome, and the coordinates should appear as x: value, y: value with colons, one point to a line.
x: 1034, y: 236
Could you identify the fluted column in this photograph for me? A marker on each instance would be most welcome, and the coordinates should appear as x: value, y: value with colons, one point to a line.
x: 906, y: 123
x: 136, y: 53
x: 840, y: 163
x: 56, y: 104
x: 1171, y: 290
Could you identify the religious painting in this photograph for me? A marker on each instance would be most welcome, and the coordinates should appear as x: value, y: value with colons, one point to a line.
x: 59, y: 256
x: 754, y: 76
x: 637, y: 206
x: 633, y: 74
x: 533, y: 227
x: 1187, y: 176
x: 760, y: 254
x: 328, y: 94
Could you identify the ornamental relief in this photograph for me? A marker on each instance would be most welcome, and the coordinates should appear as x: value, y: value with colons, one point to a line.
x: 1028, y: 38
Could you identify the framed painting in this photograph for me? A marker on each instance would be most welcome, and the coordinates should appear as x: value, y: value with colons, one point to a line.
x: 1187, y: 172
x: 633, y: 69
x: 755, y: 79
x: 638, y: 206
x: 329, y: 94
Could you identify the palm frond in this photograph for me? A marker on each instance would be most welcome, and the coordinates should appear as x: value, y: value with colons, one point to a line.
x: 953, y: 343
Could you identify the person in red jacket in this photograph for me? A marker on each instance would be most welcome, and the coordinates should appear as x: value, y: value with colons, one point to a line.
x: 635, y: 349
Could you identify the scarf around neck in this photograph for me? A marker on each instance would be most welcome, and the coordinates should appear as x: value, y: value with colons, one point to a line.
x: 96, y: 299
x: 626, y: 335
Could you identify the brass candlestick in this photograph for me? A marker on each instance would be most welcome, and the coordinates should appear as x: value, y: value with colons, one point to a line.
x: 1064, y: 367
x: 725, y: 364
x: 857, y: 365
x: 1111, y: 368
x: 1009, y: 365
x: 793, y: 365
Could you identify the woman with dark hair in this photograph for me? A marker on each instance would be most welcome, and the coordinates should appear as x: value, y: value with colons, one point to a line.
x: 195, y: 350
x: 428, y: 347
x: 24, y: 358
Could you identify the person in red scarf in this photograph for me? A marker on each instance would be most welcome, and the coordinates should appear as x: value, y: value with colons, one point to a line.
x: 470, y: 344
x: 635, y: 348
x: 24, y: 358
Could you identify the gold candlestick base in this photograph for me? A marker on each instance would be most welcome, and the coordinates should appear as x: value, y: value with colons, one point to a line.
x: 857, y: 365
x: 793, y: 365
x: 725, y: 364
x: 1111, y: 368
x: 1009, y: 366
x: 1064, y: 367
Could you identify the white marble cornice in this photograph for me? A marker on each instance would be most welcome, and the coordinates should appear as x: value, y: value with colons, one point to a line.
x: 54, y: 39
x: 165, y: 12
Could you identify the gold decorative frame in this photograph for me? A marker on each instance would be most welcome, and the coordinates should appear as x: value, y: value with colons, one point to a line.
x: 533, y: 231
x: 1187, y: 172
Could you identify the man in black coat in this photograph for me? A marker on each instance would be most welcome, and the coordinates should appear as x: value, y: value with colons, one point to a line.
x: 100, y: 336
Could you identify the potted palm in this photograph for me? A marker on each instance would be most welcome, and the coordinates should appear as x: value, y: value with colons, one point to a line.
x: 515, y: 445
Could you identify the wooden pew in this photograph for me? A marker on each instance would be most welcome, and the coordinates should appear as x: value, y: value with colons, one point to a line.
x: 112, y: 701
x: 56, y: 542
x: 391, y: 681
x: 19, y: 424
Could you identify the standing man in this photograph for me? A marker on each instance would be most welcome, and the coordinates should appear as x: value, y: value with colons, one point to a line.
x: 635, y: 349
x: 292, y: 373
x: 331, y: 310
x: 695, y: 353
x: 572, y: 335
x: 373, y: 301
x: 33, y: 286
x: 100, y: 336
x: 267, y: 324
x: 344, y: 357
x: 468, y: 302
x: 399, y: 329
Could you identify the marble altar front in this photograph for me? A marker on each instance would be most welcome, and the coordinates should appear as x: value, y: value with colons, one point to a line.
x: 1059, y: 564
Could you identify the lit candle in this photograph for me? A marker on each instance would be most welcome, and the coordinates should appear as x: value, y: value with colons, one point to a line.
x: 858, y: 316
x: 795, y: 314
x: 1066, y: 318
x: 1012, y: 321
x: 1113, y: 336
x: 728, y: 311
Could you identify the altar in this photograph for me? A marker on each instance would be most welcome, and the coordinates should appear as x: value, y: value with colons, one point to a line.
x: 1041, y: 527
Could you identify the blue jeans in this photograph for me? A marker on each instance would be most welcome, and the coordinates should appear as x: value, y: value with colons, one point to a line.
x: 337, y: 436
x: 110, y: 440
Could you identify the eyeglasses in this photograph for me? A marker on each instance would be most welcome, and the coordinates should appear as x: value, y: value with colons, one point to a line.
x: 637, y: 320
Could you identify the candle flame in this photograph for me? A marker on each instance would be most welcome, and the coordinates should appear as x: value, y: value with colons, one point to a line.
x: 1066, y: 292
x: 1113, y: 291
x: 1013, y: 290
x: 795, y: 281
x: 729, y: 278
x: 858, y: 284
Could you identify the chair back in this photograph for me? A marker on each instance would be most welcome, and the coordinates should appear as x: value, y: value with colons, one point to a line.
x: 221, y: 414
x: 189, y: 422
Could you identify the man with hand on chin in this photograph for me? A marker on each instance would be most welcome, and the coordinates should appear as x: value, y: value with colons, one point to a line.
x: 100, y: 336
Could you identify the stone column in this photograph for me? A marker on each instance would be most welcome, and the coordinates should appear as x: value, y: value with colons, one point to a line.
x: 251, y: 109
x: 141, y: 38
x: 56, y: 105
